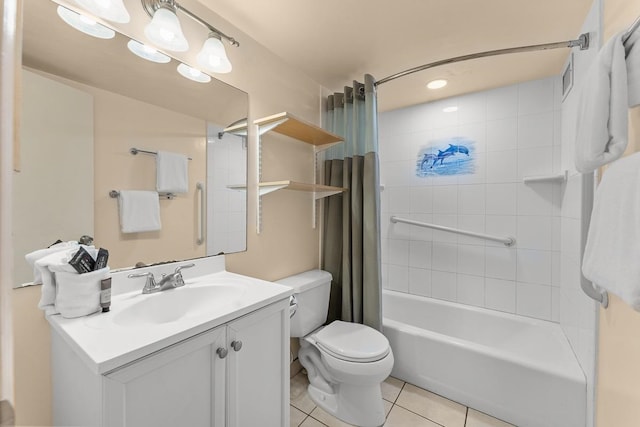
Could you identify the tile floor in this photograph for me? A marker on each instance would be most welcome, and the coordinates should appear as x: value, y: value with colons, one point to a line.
x: 406, y: 406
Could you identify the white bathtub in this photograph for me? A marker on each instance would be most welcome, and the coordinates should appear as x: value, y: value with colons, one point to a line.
x: 515, y: 368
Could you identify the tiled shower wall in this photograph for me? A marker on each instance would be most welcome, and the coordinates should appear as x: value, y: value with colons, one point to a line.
x: 516, y: 130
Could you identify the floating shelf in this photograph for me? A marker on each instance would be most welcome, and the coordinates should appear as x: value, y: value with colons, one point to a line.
x: 319, y: 191
x: 545, y: 178
x: 289, y: 125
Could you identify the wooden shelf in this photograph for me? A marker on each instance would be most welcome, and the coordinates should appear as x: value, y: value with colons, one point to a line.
x: 319, y: 191
x: 289, y: 125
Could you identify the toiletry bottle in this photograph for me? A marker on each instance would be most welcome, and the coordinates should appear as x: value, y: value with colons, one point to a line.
x: 105, y: 294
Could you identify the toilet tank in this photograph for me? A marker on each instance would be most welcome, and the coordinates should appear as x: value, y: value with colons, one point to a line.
x: 311, y: 290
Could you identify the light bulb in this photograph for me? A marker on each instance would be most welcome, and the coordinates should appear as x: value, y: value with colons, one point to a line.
x: 212, y: 56
x: 436, y: 84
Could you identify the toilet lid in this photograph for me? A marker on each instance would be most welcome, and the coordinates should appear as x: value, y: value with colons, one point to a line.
x: 352, y: 342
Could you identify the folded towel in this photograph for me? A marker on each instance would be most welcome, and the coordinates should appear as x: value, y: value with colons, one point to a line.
x: 602, y: 132
x: 139, y: 211
x: 78, y: 294
x: 632, y: 52
x: 172, y: 172
x: 613, y: 244
x: 55, y: 262
x: 34, y: 256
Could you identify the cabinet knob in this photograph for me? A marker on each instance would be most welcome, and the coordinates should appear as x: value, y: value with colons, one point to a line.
x: 222, y: 352
x: 236, y: 345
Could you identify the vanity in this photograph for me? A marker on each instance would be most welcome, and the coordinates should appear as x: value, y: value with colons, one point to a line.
x: 214, y: 352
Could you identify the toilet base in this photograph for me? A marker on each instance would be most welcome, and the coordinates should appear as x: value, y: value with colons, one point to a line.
x: 358, y: 405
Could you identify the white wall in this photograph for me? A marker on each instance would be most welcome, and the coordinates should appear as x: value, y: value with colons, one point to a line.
x: 516, y: 134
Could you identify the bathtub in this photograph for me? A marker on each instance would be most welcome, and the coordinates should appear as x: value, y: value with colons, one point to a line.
x: 515, y: 368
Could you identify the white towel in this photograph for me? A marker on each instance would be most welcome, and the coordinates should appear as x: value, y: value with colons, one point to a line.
x: 632, y: 51
x: 172, y: 172
x: 34, y: 256
x: 603, y: 111
x: 612, y: 254
x: 139, y: 211
x: 56, y: 262
x: 78, y: 294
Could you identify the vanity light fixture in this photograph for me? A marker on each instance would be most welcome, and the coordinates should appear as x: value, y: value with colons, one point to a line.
x: 147, y: 52
x: 165, y: 32
x: 213, y: 57
x: 85, y: 24
x: 111, y: 10
x: 193, y: 74
x: 436, y: 84
x: 451, y: 109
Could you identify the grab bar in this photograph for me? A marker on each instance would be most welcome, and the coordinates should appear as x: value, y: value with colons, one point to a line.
x: 200, y: 189
x: 507, y: 241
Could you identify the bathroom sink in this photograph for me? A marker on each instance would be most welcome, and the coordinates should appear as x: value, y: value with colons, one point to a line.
x: 174, y: 304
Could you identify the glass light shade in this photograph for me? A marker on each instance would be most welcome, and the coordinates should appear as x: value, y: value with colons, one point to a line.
x: 436, y: 84
x: 111, y: 10
x: 147, y: 52
x: 85, y: 24
x: 193, y: 74
x: 213, y: 57
x: 165, y: 31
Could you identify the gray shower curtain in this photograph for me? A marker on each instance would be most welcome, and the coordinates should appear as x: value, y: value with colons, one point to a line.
x: 351, y: 242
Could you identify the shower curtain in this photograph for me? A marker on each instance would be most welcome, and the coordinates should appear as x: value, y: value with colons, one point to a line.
x: 351, y: 241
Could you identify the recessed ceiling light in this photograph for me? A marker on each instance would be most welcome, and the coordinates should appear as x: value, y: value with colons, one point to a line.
x: 147, y: 52
x: 437, y: 84
x: 193, y: 74
x: 450, y: 109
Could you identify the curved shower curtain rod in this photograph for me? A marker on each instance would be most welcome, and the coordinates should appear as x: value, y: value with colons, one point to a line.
x: 582, y: 41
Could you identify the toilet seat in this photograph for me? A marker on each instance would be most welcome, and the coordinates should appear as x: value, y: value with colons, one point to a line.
x: 352, y: 342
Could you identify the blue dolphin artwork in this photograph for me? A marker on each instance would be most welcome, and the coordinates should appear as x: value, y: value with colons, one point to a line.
x: 453, y: 156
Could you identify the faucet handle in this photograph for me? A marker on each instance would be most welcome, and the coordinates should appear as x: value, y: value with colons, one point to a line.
x: 149, y: 285
x: 178, y: 274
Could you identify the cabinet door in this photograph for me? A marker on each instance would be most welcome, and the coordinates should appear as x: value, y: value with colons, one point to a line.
x: 258, y: 368
x: 183, y: 385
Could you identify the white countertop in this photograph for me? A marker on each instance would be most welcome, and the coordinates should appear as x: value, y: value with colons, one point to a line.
x: 105, y: 343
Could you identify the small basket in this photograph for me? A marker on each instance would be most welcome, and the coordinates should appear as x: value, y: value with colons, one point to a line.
x: 79, y: 294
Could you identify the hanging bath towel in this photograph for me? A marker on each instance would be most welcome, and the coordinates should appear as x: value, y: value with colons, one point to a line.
x: 172, y: 172
x: 139, y: 211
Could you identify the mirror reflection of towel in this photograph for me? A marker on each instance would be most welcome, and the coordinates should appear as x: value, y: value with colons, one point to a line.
x: 172, y: 172
x: 139, y: 211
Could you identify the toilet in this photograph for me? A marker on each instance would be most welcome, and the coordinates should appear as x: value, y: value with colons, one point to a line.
x: 345, y: 362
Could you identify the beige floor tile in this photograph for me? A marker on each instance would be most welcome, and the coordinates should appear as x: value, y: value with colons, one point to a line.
x: 312, y: 422
x: 479, y: 419
x: 298, y: 392
x: 387, y: 407
x: 400, y: 417
x: 296, y: 416
x: 436, y: 408
x: 391, y: 389
x: 328, y: 419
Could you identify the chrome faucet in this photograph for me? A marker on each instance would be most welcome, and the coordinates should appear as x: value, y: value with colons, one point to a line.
x: 168, y: 281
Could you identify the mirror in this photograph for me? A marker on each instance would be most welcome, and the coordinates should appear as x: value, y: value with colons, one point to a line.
x: 85, y: 103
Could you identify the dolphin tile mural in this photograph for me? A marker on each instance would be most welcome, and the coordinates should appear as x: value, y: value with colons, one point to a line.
x: 450, y: 156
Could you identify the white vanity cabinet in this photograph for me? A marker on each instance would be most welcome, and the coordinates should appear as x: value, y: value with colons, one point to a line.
x: 235, y: 374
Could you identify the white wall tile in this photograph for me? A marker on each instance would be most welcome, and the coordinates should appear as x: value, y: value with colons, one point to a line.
x: 500, y: 262
x: 471, y: 199
x: 473, y: 223
x: 420, y: 233
x: 536, y: 96
x: 471, y: 260
x: 444, y: 257
x: 533, y: 300
x: 534, y: 232
x: 502, y: 166
x: 420, y: 281
x: 534, y: 161
x: 502, y: 134
x: 445, y: 199
x: 479, y: 174
x: 420, y: 254
x: 535, y: 199
x: 472, y: 108
x: 476, y: 132
x: 446, y: 221
x: 535, y: 130
x: 501, y: 225
x: 421, y: 199
x: 399, y: 199
x: 500, y: 294
x: 398, y: 252
x: 500, y: 199
x: 502, y: 102
x: 444, y: 285
x: 534, y: 266
x: 470, y: 290
x: 398, y: 278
